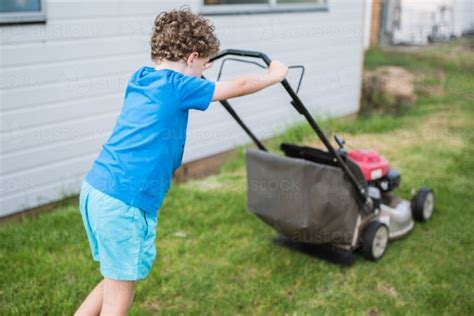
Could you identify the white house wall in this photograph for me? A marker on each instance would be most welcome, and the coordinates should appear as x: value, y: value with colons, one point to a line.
x: 62, y: 84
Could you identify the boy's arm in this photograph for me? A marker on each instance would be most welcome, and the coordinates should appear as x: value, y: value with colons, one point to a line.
x: 247, y: 84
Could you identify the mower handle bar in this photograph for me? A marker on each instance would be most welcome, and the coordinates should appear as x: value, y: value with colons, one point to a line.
x: 298, y: 105
x: 242, y: 53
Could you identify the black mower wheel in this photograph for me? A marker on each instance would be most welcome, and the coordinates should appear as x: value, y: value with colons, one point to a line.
x: 375, y: 241
x: 422, y: 205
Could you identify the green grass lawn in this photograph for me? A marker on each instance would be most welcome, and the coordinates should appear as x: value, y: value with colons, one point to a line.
x: 227, y: 262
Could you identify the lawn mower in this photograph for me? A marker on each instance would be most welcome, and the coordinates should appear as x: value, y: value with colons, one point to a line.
x: 336, y: 197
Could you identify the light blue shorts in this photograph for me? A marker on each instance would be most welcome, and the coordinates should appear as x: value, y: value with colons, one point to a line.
x: 121, y: 237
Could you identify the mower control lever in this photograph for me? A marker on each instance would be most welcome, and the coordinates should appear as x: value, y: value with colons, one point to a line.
x: 341, y: 142
x: 301, y: 67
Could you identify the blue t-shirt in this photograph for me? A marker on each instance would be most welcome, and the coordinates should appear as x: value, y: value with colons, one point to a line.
x: 146, y: 146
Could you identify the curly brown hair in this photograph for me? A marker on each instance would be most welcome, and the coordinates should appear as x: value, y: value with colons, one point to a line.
x: 180, y: 32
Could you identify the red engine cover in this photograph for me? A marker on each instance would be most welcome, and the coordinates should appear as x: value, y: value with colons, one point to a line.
x: 373, y: 165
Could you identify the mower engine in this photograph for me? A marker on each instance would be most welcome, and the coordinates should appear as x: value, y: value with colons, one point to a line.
x: 376, y: 169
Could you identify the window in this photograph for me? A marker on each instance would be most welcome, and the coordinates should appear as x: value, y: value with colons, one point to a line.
x: 224, y: 7
x: 22, y: 11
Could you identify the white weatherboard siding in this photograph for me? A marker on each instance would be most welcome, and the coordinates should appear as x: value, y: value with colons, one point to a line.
x: 62, y: 85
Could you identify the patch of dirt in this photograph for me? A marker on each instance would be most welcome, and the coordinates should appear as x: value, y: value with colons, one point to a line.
x: 153, y: 307
x: 398, y: 82
x: 387, y: 289
x: 373, y: 312
x: 387, y: 89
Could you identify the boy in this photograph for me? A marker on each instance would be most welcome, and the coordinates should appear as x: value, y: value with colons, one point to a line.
x: 125, y: 187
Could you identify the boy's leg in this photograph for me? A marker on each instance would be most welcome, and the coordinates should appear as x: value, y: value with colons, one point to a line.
x: 118, y: 297
x: 93, y: 303
x: 109, y: 297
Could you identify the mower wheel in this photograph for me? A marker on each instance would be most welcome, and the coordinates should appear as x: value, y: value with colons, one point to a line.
x: 375, y: 241
x: 422, y: 204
